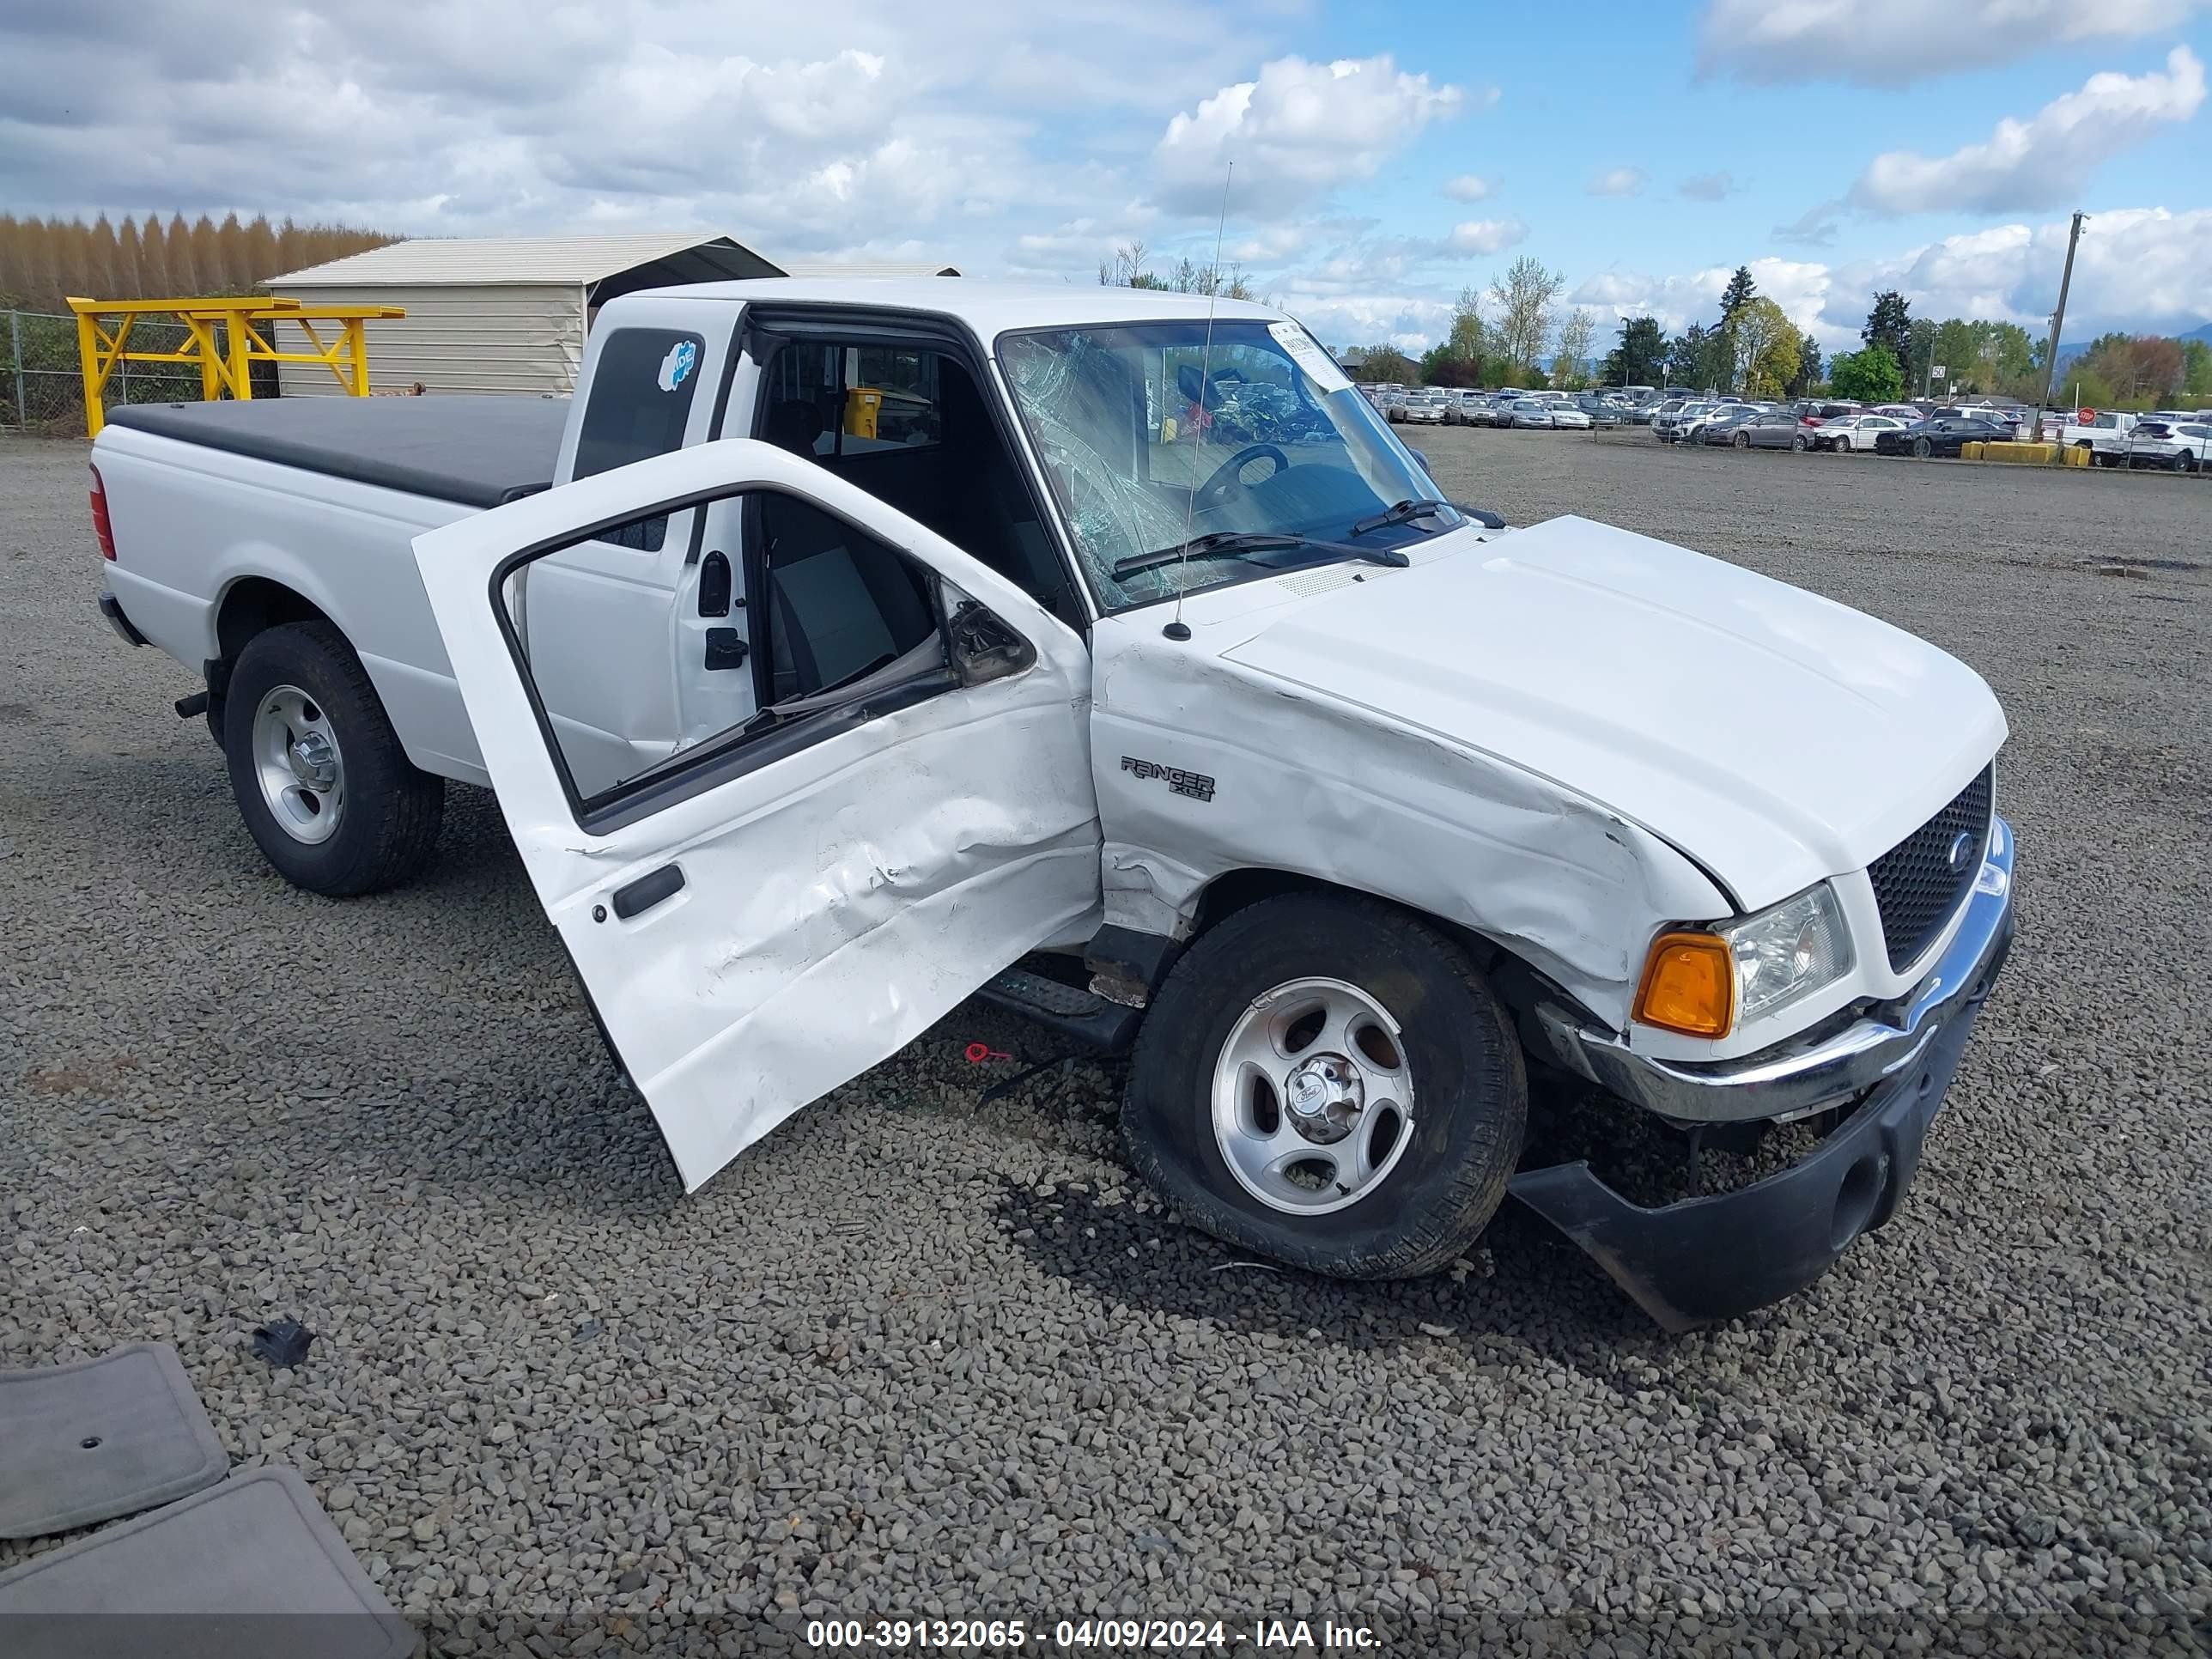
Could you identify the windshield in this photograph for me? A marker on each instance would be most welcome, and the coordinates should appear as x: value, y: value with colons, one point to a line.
x: 1150, y: 437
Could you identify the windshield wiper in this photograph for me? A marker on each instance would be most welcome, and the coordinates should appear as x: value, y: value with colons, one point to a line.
x: 1404, y: 512
x: 1231, y: 544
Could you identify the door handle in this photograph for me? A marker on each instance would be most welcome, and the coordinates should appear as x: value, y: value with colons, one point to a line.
x: 647, y: 891
x: 714, y: 585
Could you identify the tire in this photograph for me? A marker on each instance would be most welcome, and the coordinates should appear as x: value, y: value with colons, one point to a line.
x: 375, y: 826
x: 1800, y: 443
x: 1842, y: 445
x: 1922, y: 449
x: 1741, y: 440
x: 1434, y: 1184
x: 2184, y: 462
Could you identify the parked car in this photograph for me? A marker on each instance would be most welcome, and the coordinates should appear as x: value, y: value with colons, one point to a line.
x: 1568, y: 417
x: 2177, y: 446
x: 1845, y: 433
x: 1719, y: 424
x: 1668, y: 425
x: 1426, y: 407
x: 1464, y: 408
x: 1601, y: 411
x: 788, y: 801
x: 2104, y: 434
x: 1943, y: 435
x: 1765, y: 428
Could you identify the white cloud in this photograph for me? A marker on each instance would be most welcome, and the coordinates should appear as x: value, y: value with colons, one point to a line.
x: 1467, y: 187
x: 2136, y: 268
x: 1707, y: 187
x: 861, y: 128
x: 1895, y: 43
x: 1485, y: 235
x: 1297, y: 133
x: 2045, y: 160
x: 1619, y: 181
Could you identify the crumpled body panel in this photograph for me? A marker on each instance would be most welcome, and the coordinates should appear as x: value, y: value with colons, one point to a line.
x: 1275, y: 777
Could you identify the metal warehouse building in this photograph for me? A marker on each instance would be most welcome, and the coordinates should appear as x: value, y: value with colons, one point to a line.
x: 509, y: 314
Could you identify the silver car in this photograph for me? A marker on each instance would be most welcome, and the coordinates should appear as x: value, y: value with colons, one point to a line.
x: 1763, y: 429
x: 1531, y: 415
x: 1719, y: 424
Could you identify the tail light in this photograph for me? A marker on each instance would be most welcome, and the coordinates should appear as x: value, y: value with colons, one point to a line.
x: 100, y: 527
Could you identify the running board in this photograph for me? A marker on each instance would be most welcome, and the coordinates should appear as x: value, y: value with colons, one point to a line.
x: 1076, y: 1014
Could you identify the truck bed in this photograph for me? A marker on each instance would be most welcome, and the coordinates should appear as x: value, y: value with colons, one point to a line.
x: 478, y: 451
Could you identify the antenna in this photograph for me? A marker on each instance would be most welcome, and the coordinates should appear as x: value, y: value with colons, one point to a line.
x: 1175, y: 629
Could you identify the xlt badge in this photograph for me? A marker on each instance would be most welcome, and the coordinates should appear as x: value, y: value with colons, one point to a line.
x: 1196, y: 785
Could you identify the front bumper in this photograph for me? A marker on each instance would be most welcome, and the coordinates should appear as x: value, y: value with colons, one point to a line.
x: 1706, y: 1259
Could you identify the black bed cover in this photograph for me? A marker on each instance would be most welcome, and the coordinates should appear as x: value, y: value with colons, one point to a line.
x: 478, y: 451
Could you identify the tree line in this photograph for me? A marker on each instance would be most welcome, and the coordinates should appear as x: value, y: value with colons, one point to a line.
x: 43, y: 262
x: 1753, y: 349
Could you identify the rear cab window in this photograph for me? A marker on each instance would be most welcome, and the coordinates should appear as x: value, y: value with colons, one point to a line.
x: 638, y: 405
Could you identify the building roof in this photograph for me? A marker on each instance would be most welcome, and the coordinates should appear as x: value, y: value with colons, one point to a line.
x: 684, y: 256
x: 865, y: 268
x: 987, y: 307
x: 524, y: 259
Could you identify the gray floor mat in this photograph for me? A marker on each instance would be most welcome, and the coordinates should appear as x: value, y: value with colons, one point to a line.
x: 103, y: 1437
x: 249, y: 1569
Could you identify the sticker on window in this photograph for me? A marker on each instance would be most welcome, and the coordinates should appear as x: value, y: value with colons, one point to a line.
x: 1318, y: 364
x: 676, y: 366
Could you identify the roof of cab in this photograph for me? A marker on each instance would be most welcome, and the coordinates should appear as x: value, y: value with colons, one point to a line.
x: 988, y: 308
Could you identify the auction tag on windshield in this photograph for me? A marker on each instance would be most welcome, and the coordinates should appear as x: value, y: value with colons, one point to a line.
x: 1309, y: 356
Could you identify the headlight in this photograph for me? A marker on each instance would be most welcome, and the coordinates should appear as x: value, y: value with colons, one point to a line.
x: 1703, y: 983
x: 1788, y: 952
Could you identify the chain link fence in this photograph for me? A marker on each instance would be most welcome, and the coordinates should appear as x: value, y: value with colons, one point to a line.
x: 42, y: 384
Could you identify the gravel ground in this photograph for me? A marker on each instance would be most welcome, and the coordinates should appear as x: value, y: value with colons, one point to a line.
x: 923, y: 1355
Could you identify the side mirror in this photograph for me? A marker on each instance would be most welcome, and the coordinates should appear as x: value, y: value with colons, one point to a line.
x: 1418, y: 456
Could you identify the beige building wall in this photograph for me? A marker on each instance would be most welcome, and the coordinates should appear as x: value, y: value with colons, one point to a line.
x: 523, y: 338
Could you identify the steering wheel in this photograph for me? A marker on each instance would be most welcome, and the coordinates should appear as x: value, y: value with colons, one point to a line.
x: 1230, y: 474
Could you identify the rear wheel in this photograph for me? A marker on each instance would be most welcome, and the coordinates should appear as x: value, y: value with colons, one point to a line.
x: 1741, y: 440
x: 1799, y: 442
x: 2184, y: 462
x: 1328, y: 1082
x: 327, y: 791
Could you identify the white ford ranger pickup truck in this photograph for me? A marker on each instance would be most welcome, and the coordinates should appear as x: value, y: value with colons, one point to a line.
x: 844, y: 649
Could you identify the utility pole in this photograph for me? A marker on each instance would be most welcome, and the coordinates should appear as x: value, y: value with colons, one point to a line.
x: 2057, y: 323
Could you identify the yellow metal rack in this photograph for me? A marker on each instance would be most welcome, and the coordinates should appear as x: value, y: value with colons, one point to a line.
x: 103, y: 340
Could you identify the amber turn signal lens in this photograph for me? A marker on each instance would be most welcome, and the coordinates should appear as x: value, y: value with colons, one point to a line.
x: 1689, y: 986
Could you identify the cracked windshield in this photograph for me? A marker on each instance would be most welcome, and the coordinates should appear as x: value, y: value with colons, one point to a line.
x: 1253, y: 453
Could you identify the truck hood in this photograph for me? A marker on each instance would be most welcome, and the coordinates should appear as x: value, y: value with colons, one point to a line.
x: 1774, y: 737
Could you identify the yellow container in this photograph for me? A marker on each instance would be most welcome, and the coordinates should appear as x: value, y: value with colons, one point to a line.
x: 2074, y: 457
x: 863, y: 404
x: 1972, y: 452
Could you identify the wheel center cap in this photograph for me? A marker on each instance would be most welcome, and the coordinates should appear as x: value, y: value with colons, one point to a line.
x: 314, y: 763
x: 1325, y: 1096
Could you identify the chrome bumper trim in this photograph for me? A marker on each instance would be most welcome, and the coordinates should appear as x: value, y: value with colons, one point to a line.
x: 1795, y: 1079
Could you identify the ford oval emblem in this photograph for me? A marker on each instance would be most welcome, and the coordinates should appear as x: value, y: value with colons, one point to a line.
x: 1962, y: 849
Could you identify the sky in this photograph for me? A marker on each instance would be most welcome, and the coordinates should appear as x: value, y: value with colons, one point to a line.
x: 1384, y: 157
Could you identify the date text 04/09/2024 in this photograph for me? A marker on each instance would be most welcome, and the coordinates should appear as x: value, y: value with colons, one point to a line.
x: 1165, y: 1634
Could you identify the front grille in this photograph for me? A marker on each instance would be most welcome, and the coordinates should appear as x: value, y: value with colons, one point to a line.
x: 1918, y: 884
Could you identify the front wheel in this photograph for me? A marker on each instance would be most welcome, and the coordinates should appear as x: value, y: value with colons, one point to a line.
x: 1328, y: 1082
x: 1922, y: 448
x: 327, y: 791
x: 1842, y: 445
